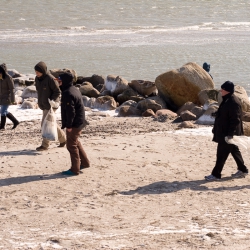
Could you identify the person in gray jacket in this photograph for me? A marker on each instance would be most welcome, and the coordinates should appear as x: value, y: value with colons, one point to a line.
x: 7, y: 97
x: 47, y: 88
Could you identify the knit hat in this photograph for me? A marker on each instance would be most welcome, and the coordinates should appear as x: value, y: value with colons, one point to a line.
x: 228, y: 86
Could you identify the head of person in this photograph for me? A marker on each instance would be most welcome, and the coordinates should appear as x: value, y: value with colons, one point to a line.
x: 206, y: 66
x: 40, y: 69
x: 227, y: 88
x: 3, y: 71
x: 65, y: 80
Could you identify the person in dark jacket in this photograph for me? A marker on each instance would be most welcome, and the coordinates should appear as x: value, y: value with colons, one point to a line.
x: 228, y: 123
x: 73, y: 119
x: 47, y: 88
x: 206, y: 67
x: 7, y: 97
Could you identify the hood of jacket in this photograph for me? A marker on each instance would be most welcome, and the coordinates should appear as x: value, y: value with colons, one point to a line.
x: 67, y: 80
x: 41, y: 67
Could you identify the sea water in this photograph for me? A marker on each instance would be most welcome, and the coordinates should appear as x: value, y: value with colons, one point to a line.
x: 134, y: 39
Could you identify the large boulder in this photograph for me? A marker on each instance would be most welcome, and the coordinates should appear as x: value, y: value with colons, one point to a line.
x: 88, y: 90
x: 29, y: 91
x: 246, y: 128
x: 158, y: 100
x: 184, y: 84
x: 57, y: 72
x: 144, y: 88
x: 115, y: 84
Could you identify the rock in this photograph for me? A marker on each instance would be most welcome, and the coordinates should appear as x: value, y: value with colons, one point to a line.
x: 105, y: 92
x: 198, y: 111
x: 18, y: 99
x: 246, y: 116
x: 14, y: 73
x: 29, y: 105
x: 96, y: 81
x: 144, y: 88
x: 19, y: 92
x: 246, y: 128
x: 27, y: 80
x: 148, y: 104
x: 185, y: 106
x: 187, y: 124
x: 129, y: 94
x: 125, y: 111
x: 166, y: 112
x: 206, y: 118
x: 148, y: 112
x: 116, y: 85
x: 57, y: 72
x: 127, y: 103
x: 102, y: 102
x: 88, y: 90
x: 29, y: 91
x: 187, y: 115
x: 208, y: 94
x: 184, y: 84
x: 158, y: 100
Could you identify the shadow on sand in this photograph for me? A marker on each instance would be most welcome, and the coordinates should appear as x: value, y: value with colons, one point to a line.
x: 25, y: 179
x: 163, y: 187
x: 19, y: 152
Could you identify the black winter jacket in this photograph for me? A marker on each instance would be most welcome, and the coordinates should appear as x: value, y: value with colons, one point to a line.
x: 228, y: 121
x: 7, y: 89
x: 47, y: 88
x: 72, y: 107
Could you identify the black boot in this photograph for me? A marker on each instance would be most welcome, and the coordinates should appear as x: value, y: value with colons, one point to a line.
x: 13, y: 119
x: 3, y: 122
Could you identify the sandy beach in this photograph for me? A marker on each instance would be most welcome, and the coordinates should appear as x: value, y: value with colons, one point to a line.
x: 145, y: 189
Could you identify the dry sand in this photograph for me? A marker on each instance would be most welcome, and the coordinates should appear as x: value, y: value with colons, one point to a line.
x: 145, y: 189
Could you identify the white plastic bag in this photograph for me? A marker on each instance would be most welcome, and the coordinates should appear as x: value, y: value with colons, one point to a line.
x: 240, y: 141
x: 49, y: 126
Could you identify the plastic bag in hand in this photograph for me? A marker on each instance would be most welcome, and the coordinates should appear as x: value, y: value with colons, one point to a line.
x: 53, y: 104
x: 49, y: 126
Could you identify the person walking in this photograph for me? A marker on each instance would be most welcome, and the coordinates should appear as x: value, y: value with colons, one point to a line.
x: 228, y: 122
x: 7, y: 97
x: 47, y: 88
x: 73, y: 119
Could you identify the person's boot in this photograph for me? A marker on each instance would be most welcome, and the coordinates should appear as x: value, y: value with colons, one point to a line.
x: 3, y: 122
x: 13, y: 119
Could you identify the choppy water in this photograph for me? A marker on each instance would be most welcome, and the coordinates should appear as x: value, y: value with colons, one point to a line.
x: 134, y: 39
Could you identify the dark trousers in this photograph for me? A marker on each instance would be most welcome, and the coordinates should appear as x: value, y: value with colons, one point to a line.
x: 77, y: 153
x: 223, y: 151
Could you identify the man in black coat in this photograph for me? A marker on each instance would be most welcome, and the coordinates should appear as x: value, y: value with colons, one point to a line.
x: 73, y: 119
x: 228, y: 123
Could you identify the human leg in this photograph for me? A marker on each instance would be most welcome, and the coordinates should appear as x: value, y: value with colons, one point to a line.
x: 4, y: 112
x: 238, y: 159
x: 45, y: 142
x: 73, y: 149
x: 223, y: 150
x: 83, y: 156
x: 13, y: 119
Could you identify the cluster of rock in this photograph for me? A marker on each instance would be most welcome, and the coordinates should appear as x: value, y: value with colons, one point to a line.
x: 186, y: 95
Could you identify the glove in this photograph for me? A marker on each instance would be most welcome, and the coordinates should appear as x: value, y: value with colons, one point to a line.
x: 53, y: 104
